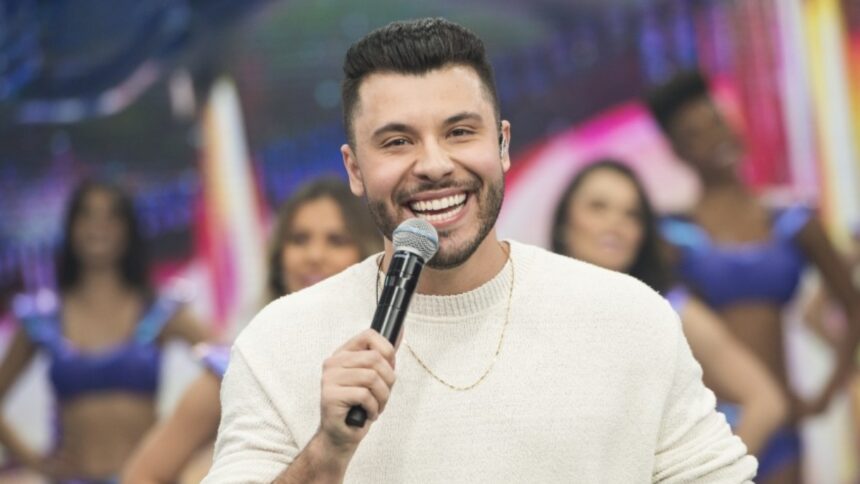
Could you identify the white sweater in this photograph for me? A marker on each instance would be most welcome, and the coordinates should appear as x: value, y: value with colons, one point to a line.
x: 595, y: 382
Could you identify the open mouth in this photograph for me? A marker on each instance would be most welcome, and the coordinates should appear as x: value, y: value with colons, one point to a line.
x: 441, y: 209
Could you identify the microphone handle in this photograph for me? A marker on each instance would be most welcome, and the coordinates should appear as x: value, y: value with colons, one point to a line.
x: 357, y: 415
x: 400, y: 283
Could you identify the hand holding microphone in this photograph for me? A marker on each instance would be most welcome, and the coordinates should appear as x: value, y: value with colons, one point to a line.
x: 360, y: 373
x: 415, y: 243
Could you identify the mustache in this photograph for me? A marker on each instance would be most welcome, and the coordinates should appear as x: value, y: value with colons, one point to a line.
x: 403, y: 196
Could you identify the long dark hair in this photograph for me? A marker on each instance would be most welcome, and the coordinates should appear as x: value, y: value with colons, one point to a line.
x: 134, y: 263
x: 355, y: 215
x: 649, y: 266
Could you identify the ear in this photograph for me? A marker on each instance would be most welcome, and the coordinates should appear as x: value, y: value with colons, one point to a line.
x: 350, y: 162
x: 504, y: 153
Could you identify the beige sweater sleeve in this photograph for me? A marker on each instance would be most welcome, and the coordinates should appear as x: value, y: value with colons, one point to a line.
x: 696, y: 443
x: 254, y: 444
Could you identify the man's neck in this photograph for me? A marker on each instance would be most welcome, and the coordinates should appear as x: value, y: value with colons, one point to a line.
x: 490, y: 257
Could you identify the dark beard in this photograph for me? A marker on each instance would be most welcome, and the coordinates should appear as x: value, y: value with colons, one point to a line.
x: 488, y: 213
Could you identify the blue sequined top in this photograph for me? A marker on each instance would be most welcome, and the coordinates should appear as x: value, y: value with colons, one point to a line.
x: 727, y: 274
x: 133, y: 366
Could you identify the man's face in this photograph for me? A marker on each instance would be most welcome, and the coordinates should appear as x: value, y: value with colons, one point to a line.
x: 428, y: 146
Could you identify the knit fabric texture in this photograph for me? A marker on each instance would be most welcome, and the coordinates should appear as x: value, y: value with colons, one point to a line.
x: 595, y: 382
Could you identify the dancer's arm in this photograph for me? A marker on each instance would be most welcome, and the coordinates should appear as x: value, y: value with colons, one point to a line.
x: 170, y: 446
x: 735, y: 374
x: 19, y: 353
x: 837, y: 280
x: 186, y: 327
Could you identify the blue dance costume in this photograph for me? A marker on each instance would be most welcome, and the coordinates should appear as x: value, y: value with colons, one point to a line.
x: 133, y: 366
x: 214, y: 358
x: 724, y: 275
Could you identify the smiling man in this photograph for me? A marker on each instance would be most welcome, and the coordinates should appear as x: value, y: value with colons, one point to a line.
x: 516, y: 365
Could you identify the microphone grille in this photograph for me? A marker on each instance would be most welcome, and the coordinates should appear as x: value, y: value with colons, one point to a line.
x: 418, y: 236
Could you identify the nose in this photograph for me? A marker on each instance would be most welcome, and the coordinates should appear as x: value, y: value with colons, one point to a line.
x: 316, y: 252
x: 95, y: 223
x: 615, y: 221
x: 433, y: 162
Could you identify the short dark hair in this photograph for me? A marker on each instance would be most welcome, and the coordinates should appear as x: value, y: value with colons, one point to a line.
x: 649, y: 266
x: 413, y: 47
x: 356, y: 218
x: 134, y: 262
x: 665, y: 100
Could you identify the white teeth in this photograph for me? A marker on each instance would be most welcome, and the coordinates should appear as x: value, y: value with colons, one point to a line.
x: 438, y: 204
x: 441, y: 217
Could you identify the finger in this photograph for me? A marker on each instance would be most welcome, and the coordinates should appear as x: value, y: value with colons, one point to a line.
x: 369, y: 340
x: 368, y: 359
x: 348, y: 397
x: 377, y: 342
x: 365, y: 378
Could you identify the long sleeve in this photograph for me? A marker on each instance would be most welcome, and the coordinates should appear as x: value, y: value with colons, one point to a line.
x: 695, y: 442
x: 254, y: 444
x: 635, y: 408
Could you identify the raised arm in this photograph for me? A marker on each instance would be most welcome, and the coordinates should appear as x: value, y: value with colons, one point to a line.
x: 255, y: 445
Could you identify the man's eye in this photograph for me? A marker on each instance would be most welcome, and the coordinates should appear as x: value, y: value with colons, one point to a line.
x: 395, y: 143
x: 461, y: 132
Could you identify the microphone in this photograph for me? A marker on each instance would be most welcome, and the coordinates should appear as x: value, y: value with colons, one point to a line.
x: 415, y: 243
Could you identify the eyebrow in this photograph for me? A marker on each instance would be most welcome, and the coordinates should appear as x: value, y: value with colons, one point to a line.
x: 396, y: 127
x: 464, y: 116
x: 392, y: 128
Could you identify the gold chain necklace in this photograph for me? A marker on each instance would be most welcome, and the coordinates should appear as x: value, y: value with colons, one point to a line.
x: 498, y: 348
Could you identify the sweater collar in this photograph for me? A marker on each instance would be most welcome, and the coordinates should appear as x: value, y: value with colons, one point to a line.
x: 485, y: 296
